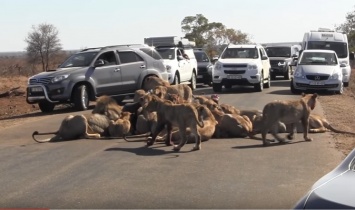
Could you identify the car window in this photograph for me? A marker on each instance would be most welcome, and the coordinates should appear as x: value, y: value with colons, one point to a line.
x: 318, y: 58
x: 152, y: 53
x: 279, y: 51
x: 201, y: 56
x: 79, y: 60
x: 232, y: 53
x: 109, y: 58
x: 129, y: 57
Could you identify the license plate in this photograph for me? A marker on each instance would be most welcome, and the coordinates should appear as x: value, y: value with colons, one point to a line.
x: 199, y: 76
x: 316, y: 83
x: 234, y: 76
x: 36, y: 89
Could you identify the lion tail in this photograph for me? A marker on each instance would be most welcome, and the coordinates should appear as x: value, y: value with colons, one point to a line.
x: 35, y: 133
x: 338, y: 131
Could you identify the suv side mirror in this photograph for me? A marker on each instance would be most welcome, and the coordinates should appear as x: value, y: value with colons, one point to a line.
x: 99, y: 63
x: 294, y: 56
x: 342, y: 65
x: 180, y: 58
x: 351, y: 56
x: 264, y: 57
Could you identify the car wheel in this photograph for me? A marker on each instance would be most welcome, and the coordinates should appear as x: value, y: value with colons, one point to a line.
x: 293, y: 89
x: 176, y: 80
x: 260, y: 86
x: 81, y: 98
x: 193, y: 81
x: 287, y: 75
x: 46, y: 106
x: 268, y: 84
x: 217, y: 87
x: 346, y: 84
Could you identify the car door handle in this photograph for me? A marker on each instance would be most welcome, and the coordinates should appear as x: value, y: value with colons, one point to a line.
x: 117, y: 69
x: 142, y: 66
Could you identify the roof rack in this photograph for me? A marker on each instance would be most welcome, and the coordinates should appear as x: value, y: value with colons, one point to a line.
x: 91, y: 48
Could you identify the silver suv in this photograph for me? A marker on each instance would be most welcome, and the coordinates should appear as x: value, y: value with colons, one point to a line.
x: 117, y: 71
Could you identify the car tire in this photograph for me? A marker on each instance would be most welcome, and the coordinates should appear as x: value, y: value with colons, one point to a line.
x: 193, y: 81
x: 287, y: 75
x: 217, y: 87
x: 176, y: 79
x: 293, y: 89
x: 268, y: 84
x: 46, y: 106
x: 81, y: 98
x: 346, y: 84
x: 260, y: 86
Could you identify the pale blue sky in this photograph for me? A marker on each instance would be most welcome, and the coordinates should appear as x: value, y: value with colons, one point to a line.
x: 92, y: 23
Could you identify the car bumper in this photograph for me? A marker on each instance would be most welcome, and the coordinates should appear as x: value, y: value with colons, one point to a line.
x: 278, y: 70
x: 250, y: 77
x: 305, y: 84
x: 204, y: 77
x: 53, y: 93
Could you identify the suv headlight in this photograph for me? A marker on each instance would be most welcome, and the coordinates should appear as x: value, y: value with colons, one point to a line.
x: 218, y: 66
x: 335, y: 76
x: 59, y: 78
x: 252, y: 67
x: 299, y: 73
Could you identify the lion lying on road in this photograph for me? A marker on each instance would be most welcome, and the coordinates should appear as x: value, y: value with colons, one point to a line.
x: 120, y: 127
x: 288, y: 112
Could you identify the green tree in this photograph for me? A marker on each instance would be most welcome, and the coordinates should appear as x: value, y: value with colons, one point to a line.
x: 43, y: 44
x: 348, y: 27
x: 211, y: 36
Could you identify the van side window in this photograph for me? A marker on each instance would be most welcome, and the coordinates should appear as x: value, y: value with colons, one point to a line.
x: 129, y: 57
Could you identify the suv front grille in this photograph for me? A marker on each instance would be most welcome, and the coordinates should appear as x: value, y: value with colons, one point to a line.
x: 317, y: 77
x: 234, y: 71
x: 275, y: 62
x: 235, y: 65
x: 40, y: 81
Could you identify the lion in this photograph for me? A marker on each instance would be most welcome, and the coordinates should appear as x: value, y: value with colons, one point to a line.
x: 229, y: 109
x: 78, y: 126
x: 120, y: 127
x: 288, y: 112
x: 182, y: 90
x: 206, y: 132
x: 230, y: 125
x: 138, y: 94
x: 152, y: 81
x: 169, y: 114
x: 108, y: 106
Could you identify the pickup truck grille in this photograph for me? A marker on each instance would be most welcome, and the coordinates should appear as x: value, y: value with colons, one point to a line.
x: 234, y: 71
x: 235, y: 65
x: 40, y: 81
x: 275, y: 62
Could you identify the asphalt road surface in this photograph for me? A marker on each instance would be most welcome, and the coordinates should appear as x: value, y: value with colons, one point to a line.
x: 98, y: 174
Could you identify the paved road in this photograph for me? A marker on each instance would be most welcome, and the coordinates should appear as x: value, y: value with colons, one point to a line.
x: 226, y: 173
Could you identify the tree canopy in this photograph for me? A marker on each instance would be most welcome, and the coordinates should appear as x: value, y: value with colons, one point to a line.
x: 348, y: 27
x: 211, y: 35
x: 43, y: 44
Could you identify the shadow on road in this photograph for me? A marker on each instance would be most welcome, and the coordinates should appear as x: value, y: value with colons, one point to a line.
x: 272, y: 144
x: 149, y: 151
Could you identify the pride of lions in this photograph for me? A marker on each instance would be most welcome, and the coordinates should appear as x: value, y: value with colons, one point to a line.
x: 171, y: 113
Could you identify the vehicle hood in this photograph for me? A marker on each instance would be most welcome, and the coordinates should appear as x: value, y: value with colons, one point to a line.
x: 57, y: 72
x: 316, y: 69
x: 203, y: 64
x: 280, y: 59
x: 231, y: 61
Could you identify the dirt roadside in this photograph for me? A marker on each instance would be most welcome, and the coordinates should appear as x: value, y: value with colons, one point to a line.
x: 338, y: 109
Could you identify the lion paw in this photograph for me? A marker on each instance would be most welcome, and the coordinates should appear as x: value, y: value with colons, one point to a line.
x: 195, y: 148
x: 176, y: 148
x: 308, y: 139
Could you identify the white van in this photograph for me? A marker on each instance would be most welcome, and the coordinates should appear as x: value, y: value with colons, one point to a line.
x: 326, y: 39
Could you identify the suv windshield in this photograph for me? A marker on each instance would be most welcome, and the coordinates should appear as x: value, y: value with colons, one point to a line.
x: 339, y: 47
x: 167, y: 53
x: 318, y: 58
x: 231, y: 53
x: 201, y: 56
x: 79, y: 60
x: 278, y: 51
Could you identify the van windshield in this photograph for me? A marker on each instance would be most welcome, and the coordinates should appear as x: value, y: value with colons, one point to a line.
x: 278, y: 51
x: 340, y: 48
x: 79, y: 60
x: 231, y: 53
